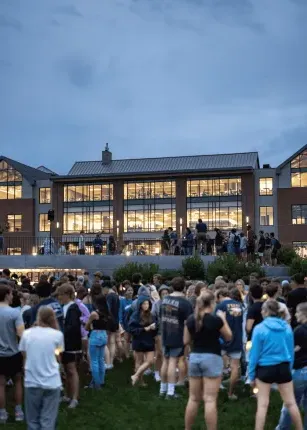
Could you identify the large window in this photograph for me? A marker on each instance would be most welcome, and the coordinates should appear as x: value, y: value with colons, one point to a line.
x: 10, y: 182
x: 299, y: 170
x: 299, y: 214
x: 14, y: 223
x: 44, y: 224
x: 88, y: 192
x: 45, y: 195
x: 266, y: 186
x: 300, y: 248
x: 266, y: 215
x: 216, y: 215
x: 97, y: 221
x: 150, y: 190
x: 214, y: 187
x: 149, y: 218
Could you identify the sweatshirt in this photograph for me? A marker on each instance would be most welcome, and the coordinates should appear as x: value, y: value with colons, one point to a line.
x: 124, y: 302
x: 142, y: 340
x: 272, y: 343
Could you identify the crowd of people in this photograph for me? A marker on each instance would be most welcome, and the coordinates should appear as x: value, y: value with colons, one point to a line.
x: 210, y: 337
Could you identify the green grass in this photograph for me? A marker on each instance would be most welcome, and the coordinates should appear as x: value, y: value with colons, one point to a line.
x: 119, y: 406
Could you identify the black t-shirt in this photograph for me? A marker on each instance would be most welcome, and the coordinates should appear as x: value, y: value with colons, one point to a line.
x: 300, y: 340
x: 254, y: 313
x: 175, y: 310
x: 206, y: 340
x: 295, y: 297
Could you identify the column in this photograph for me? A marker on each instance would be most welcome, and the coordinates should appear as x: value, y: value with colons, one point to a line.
x: 181, y: 205
x: 118, y: 212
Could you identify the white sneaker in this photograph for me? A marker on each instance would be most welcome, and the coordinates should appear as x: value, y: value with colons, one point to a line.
x: 73, y: 404
x: 157, y: 378
x: 148, y: 372
x: 222, y: 387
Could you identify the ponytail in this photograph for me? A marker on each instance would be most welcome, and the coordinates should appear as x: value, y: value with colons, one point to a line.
x: 203, y: 301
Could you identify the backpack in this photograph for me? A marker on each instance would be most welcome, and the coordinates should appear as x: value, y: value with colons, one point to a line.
x: 277, y: 244
x: 236, y: 241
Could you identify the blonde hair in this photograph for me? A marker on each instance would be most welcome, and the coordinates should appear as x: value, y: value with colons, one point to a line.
x: 47, y: 318
x: 272, y: 309
x: 66, y: 289
x: 205, y: 300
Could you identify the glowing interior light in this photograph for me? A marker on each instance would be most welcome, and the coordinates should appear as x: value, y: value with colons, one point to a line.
x: 255, y: 390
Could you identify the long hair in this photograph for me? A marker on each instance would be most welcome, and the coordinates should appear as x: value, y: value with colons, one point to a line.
x: 102, y: 308
x: 205, y: 300
x: 47, y: 318
x: 146, y: 316
x: 272, y: 309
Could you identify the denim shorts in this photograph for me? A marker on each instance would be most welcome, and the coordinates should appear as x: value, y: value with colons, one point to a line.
x: 236, y: 355
x: 172, y: 352
x: 203, y: 365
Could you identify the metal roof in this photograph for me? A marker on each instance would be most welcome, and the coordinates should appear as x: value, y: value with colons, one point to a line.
x: 197, y: 163
x: 29, y: 173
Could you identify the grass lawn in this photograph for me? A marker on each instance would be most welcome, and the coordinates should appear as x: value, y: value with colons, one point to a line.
x: 119, y: 406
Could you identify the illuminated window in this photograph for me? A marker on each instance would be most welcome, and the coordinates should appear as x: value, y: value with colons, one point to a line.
x: 299, y: 214
x: 299, y: 179
x: 299, y: 170
x: 90, y: 222
x: 13, y: 251
x: 88, y: 192
x: 149, y: 219
x: 300, y: 248
x: 215, y: 215
x: 266, y: 186
x: 44, y: 224
x: 223, y: 187
x: 266, y: 215
x: 10, y: 182
x: 45, y: 195
x: 149, y: 190
x: 300, y: 162
x: 14, y: 223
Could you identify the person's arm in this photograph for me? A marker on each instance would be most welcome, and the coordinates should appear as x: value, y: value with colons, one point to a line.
x: 85, y: 314
x: 249, y: 325
x: 291, y: 346
x: 254, y: 354
x: 186, y: 336
x: 73, y: 321
x: 121, y: 312
x: 135, y: 328
x: 225, y: 330
x: 19, y: 325
x: 93, y: 316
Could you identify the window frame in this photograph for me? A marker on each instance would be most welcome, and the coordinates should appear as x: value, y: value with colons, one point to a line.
x: 301, y: 210
x: 13, y: 220
x: 40, y: 199
x: 266, y: 178
x: 46, y: 222
x: 266, y: 207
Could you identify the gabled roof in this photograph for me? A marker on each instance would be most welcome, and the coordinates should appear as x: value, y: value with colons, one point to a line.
x: 46, y: 170
x: 29, y: 173
x: 304, y: 148
x: 197, y: 163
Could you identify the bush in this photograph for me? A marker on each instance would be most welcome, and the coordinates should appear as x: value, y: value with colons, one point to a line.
x: 193, y: 268
x: 169, y: 274
x: 286, y: 255
x: 125, y: 272
x: 229, y: 266
x: 298, y: 265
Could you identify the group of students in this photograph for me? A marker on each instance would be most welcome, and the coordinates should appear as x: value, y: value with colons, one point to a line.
x: 201, y: 332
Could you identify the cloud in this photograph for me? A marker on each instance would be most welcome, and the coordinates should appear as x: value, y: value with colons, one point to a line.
x: 169, y: 77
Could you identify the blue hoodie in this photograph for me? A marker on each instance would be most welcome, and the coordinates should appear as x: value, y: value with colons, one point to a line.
x: 272, y: 343
x: 124, y: 303
x: 142, y: 340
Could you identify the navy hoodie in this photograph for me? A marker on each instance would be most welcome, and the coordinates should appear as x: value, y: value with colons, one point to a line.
x: 142, y: 340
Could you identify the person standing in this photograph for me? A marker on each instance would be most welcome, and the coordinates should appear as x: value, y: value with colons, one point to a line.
x: 250, y: 243
x: 43, y: 290
x: 174, y: 240
x: 275, y: 248
x: 261, y: 247
x: 271, y: 361
x: 166, y: 243
x: 81, y: 243
x: 267, y: 250
x: 97, y: 244
x: 11, y: 326
x: 296, y: 296
x: 243, y: 246
x: 114, y: 307
x: 201, y: 236
x: 41, y: 345
x: 175, y: 309
x: 219, y: 241
x: 73, y: 342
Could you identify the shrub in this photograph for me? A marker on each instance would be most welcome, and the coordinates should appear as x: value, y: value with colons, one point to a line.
x: 193, y: 268
x: 286, y: 255
x: 298, y: 265
x: 169, y: 274
x: 125, y: 272
x: 231, y: 268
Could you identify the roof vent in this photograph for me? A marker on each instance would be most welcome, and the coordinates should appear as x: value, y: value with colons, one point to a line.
x: 266, y: 166
x: 106, y: 155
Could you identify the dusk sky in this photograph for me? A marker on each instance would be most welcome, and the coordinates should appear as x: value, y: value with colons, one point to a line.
x: 151, y: 77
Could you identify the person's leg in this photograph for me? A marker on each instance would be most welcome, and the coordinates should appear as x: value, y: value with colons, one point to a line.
x: 112, y: 347
x: 195, y: 397
x: 18, y: 389
x: 263, y: 398
x: 211, y: 388
x: 158, y: 359
x: 183, y: 370
x: 33, y: 405
x: 72, y: 375
x: 299, y: 390
x: 148, y: 362
x: 234, y: 374
x: 94, y: 356
x: 171, y: 375
x: 103, y: 366
x: 107, y: 356
x: 163, y: 374
x: 50, y: 409
x: 287, y: 395
x: 2, y: 392
x: 127, y: 344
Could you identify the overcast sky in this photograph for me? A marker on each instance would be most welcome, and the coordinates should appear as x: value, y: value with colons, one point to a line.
x: 152, y: 78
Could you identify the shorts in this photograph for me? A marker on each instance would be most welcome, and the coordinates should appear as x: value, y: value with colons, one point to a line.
x: 173, y: 352
x: 10, y: 366
x: 277, y: 374
x: 71, y: 357
x: 204, y: 365
x: 236, y: 355
x: 250, y: 249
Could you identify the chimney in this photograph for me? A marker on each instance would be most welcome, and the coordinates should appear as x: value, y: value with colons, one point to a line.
x: 106, y: 155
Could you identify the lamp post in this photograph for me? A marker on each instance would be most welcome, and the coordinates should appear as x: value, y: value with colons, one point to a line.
x: 117, y: 233
x: 180, y: 225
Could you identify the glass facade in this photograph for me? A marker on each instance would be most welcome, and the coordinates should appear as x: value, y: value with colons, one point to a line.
x: 10, y: 182
x: 44, y: 224
x: 149, y: 206
x: 299, y: 170
x: 14, y: 223
x: 266, y: 186
x: 45, y: 195
x: 300, y: 248
x: 88, y: 192
x: 13, y: 251
x: 266, y: 215
x: 217, y: 201
x: 94, y: 220
x: 299, y: 214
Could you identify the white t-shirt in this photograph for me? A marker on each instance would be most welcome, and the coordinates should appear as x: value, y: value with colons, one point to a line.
x: 42, y: 369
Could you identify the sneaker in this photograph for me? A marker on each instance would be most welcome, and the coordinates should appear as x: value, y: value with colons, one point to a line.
x: 73, y: 404
x: 222, y: 387
x: 65, y: 399
x: 162, y: 395
x: 232, y: 397
x: 3, y: 417
x: 180, y: 384
x: 148, y: 372
x: 19, y: 416
x: 174, y: 396
x: 109, y: 366
x: 158, y: 378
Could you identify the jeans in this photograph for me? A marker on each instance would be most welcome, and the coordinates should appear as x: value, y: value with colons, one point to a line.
x: 97, y: 343
x: 188, y: 250
x: 300, y: 392
x: 42, y: 407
